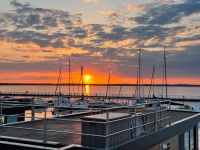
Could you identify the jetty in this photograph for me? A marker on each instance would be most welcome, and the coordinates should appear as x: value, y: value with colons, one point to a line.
x: 94, y: 96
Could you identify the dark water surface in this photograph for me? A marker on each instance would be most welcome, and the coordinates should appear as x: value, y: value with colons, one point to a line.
x: 173, y: 91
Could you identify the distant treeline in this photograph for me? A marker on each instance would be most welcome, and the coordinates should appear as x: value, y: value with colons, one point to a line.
x: 77, y: 84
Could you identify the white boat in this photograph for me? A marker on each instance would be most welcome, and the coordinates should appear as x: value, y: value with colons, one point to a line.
x: 61, y: 102
x: 40, y: 101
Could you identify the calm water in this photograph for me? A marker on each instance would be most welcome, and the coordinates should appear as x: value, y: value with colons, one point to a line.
x: 175, y: 91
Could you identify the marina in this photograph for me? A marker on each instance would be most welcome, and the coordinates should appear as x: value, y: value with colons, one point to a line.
x: 99, y: 75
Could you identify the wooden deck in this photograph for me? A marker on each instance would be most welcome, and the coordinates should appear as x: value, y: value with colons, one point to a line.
x: 35, y: 130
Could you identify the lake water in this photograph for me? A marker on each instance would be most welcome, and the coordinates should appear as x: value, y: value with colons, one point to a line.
x: 173, y: 91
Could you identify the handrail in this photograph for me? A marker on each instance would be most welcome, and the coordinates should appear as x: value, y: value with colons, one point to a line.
x: 107, y: 122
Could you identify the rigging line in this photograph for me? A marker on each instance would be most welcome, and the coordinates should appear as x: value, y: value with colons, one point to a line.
x: 139, y: 75
x: 136, y: 88
x: 58, y: 82
x: 165, y: 71
x: 69, y: 82
x: 141, y: 78
x: 82, y: 80
x: 70, y: 77
x: 108, y: 85
x: 152, y: 82
x: 79, y: 83
x: 142, y: 83
x: 120, y: 88
x: 72, y: 85
x: 164, y: 76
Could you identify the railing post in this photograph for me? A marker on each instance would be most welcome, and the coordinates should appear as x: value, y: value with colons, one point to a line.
x: 135, y: 110
x: 155, y: 111
x: 45, y: 124
x: 1, y: 117
x: 169, y: 112
x: 107, y: 129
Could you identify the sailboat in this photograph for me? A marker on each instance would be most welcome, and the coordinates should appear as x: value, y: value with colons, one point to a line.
x: 59, y: 101
x: 139, y: 88
x: 81, y: 103
x: 103, y: 103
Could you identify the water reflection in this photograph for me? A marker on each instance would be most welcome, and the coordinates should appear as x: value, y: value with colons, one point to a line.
x: 39, y: 114
x: 87, y: 89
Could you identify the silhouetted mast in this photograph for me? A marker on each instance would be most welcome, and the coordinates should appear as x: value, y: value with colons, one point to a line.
x: 152, y: 82
x: 82, y: 79
x: 165, y: 72
x: 108, y: 85
x: 69, y: 82
x: 139, y: 75
x: 120, y: 88
x: 59, y: 80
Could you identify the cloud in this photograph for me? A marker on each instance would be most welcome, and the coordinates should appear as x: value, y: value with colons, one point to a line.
x: 91, y: 1
x: 167, y: 14
x: 105, y: 12
x: 146, y: 6
x: 136, y: 7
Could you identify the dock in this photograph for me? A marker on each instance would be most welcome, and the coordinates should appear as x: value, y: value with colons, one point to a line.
x: 93, y: 96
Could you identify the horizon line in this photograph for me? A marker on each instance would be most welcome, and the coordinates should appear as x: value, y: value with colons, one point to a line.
x: 100, y: 84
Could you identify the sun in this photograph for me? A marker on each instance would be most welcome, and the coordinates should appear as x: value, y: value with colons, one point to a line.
x: 87, y: 78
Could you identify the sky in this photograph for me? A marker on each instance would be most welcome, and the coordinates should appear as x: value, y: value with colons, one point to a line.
x: 37, y: 37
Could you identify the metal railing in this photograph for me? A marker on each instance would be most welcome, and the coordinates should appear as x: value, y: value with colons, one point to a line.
x: 137, y: 125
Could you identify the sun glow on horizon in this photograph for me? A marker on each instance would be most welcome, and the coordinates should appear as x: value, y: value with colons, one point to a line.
x: 87, y: 79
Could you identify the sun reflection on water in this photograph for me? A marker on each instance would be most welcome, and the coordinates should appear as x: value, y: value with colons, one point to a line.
x: 87, y: 89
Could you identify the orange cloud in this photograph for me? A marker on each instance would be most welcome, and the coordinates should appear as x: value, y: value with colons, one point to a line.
x: 91, y: 1
x: 136, y: 7
x: 105, y: 12
x: 187, y: 43
x: 31, y: 52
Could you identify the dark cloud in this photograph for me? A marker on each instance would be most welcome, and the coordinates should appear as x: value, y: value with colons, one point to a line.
x: 117, y: 33
x: 167, y: 14
x: 25, y: 66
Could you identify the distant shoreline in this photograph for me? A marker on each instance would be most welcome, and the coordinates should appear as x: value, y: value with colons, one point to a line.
x: 76, y: 84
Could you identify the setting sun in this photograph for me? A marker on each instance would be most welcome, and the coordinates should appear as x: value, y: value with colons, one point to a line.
x: 87, y: 78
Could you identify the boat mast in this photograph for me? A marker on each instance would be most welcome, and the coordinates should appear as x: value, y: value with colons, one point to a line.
x: 165, y: 72
x: 152, y: 82
x: 82, y: 78
x: 139, y: 74
x: 108, y: 85
x: 59, y: 80
x: 120, y: 88
x: 69, y: 82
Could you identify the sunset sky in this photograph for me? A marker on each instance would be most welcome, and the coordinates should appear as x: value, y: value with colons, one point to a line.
x: 39, y: 36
